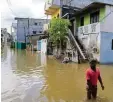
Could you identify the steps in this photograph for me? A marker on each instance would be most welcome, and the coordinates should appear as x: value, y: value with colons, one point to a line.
x: 84, y: 54
x: 76, y: 45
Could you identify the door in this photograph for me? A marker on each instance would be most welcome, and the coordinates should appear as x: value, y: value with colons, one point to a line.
x: 72, y: 27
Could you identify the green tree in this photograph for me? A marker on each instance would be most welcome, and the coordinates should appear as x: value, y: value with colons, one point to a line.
x: 58, y: 30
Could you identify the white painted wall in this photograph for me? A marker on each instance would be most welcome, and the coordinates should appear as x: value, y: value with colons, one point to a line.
x: 107, y: 24
x: 45, y: 27
x: 90, y: 38
x: 14, y: 31
x: 75, y: 56
x: 89, y: 34
x: 44, y: 46
x: 69, y: 48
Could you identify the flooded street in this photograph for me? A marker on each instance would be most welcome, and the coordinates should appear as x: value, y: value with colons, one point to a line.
x: 33, y: 77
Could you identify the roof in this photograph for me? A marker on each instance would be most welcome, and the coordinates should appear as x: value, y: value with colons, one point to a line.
x: 93, y: 5
x: 17, y: 18
x: 97, y: 4
x: 102, y: 3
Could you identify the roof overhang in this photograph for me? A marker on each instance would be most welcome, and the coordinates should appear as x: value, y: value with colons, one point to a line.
x: 34, y: 35
x: 92, y: 6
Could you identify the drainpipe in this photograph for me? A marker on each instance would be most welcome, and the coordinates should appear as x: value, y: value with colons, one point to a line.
x: 25, y: 34
x: 28, y: 30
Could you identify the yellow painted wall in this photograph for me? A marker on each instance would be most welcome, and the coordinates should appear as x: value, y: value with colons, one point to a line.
x: 54, y: 15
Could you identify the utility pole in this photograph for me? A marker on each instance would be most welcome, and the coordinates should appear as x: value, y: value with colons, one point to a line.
x: 61, y: 4
x: 29, y: 35
x: 28, y: 30
x: 11, y: 30
x: 25, y: 34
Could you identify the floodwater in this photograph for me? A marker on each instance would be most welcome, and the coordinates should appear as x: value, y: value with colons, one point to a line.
x: 33, y: 77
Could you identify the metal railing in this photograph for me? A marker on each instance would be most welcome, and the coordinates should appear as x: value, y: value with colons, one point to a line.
x: 73, y: 40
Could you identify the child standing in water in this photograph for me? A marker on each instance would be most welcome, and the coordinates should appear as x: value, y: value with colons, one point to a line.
x: 92, y: 76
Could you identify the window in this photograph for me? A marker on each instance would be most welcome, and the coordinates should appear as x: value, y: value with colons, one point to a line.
x: 94, y: 17
x: 35, y: 23
x: 112, y: 45
x: 34, y: 32
x: 40, y: 31
x: 40, y: 23
x: 82, y: 21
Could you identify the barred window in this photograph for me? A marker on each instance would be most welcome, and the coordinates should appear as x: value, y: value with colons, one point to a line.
x: 94, y: 17
x: 93, y: 28
x: 34, y: 32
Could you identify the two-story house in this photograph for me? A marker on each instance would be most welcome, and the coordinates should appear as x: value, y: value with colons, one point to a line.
x: 29, y: 29
x: 94, y: 29
x: 58, y: 8
x: 91, y: 29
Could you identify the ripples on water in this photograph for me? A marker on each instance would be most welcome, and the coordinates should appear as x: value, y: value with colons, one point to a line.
x: 29, y: 77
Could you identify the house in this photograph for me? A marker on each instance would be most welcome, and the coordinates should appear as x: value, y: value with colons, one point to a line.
x: 29, y: 29
x: 5, y: 36
x: 91, y: 33
x: 94, y: 30
x: 53, y: 8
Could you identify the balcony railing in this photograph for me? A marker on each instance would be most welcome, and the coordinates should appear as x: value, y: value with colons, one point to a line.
x: 47, y: 5
x: 51, y: 5
x: 88, y: 29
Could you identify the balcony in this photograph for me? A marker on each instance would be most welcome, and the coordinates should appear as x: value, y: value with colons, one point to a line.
x: 89, y: 29
x: 51, y: 6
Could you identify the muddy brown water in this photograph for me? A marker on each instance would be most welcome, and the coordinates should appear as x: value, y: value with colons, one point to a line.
x: 34, y: 77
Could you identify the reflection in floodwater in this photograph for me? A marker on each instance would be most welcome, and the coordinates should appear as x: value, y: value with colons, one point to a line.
x: 33, y: 77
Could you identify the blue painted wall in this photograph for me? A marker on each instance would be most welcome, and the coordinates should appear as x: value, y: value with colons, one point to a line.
x: 106, y: 52
x: 20, y: 34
